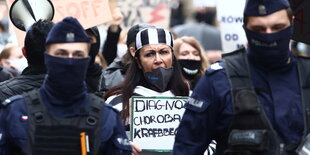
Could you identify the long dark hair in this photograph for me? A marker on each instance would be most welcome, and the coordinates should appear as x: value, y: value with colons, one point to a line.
x: 135, y: 76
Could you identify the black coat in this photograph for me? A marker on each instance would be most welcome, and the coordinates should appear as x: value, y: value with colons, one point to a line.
x: 4, y: 74
x: 31, y: 78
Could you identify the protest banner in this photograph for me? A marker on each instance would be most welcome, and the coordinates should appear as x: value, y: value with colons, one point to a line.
x: 156, y: 12
x: 301, y: 22
x: 89, y: 13
x: 230, y: 18
x: 154, y: 121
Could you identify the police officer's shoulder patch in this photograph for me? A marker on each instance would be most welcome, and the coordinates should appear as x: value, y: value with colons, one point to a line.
x: 110, y: 107
x: 122, y: 143
x: 215, y: 67
x: 10, y: 100
x: 196, y: 104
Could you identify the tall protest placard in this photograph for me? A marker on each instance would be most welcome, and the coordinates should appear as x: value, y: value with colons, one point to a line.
x: 301, y: 22
x: 230, y: 18
x: 154, y: 121
x: 155, y: 12
x: 89, y: 12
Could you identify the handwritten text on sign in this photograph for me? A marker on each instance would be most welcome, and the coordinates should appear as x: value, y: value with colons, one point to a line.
x: 155, y: 120
x: 230, y: 17
x: 89, y: 12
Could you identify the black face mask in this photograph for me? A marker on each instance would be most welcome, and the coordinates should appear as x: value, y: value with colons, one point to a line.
x: 269, y: 50
x: 66, y: 74
x: 65, y: 83
x: 190, y: 68
x: 159, y: 78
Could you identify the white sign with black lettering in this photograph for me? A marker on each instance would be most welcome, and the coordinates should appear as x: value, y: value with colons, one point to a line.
x: 230, y: 18
x: 154, y: 121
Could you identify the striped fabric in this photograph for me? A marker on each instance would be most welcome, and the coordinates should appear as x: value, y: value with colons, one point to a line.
x: 151, y: 36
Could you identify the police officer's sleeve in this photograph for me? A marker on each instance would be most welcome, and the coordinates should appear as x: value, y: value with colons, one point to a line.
x: 197, y: 126
x: 2, y: 131
x: 118, y: 143
x: 12, y: 128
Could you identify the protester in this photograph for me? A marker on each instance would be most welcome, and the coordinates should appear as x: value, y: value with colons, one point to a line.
x: 61, y: 117
x: 94, y: 70
x: 32, y: 76
x: 254, y: 101
x: 115, y: 72
x: 190, y: 56
x: 150, y: 73
x: 12, y: 57
x: 200, y: 28
x: 110, y: 47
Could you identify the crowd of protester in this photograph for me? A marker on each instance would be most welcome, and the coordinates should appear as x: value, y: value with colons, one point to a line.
x: 64, y: 92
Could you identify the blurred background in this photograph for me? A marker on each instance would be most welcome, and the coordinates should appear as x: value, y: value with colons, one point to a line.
x: 216, y: 24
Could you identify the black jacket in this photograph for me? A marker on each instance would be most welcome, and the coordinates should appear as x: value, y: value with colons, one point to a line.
x: 5, y: 74
x: 31, y: 78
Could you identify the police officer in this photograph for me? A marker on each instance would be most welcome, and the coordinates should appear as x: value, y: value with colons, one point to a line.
x: 61, y: 117
x: 252, y: 102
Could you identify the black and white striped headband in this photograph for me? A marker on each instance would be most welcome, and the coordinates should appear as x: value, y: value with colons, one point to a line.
x: 151, y: 36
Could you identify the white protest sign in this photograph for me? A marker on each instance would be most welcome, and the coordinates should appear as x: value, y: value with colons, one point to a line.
x: 154, y: 121
x: 155, y: 12
x: 230, y: 18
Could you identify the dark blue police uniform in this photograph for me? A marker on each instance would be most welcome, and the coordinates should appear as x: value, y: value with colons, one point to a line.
x: 61, y: 117
x: 209, y: 111
x: 14, y: 129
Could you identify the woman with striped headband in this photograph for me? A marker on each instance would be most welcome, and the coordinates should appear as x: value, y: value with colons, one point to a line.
x: 151, y: 72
